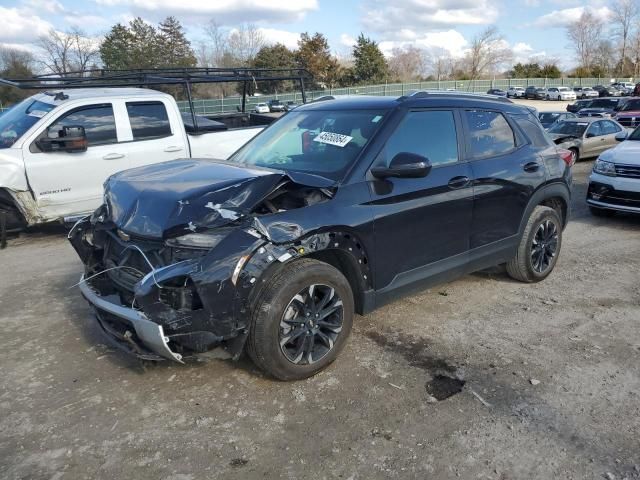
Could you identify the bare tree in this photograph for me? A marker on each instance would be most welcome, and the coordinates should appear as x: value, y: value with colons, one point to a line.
x: 245, y: 41
x: 585, y: 35
x: 488, y: 51
x: 624, y: 18
x: 407, y: 63
x: 441, y: 63
x: 212, y: 51
x: 66, y: 52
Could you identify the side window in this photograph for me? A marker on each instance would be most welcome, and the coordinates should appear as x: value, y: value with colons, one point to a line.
x: 431, y: 134
x: 533, y: 130
x: 609, y: 127
x: 595, y: 129
x: 489, y: 133
x: 148, y: 120
x: 98, y: 122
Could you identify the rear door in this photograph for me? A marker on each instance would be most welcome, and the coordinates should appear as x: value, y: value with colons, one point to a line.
x: 154, y: 135
x: 609, y: 130
x: 506, y: 170
x: 420, y: 223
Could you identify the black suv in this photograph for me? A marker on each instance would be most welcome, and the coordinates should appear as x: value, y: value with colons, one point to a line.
x: 337, y: 208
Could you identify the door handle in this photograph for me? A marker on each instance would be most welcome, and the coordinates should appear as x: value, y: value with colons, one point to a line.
x: 531, y: 167
x: 173, y: 148
x: 458, y: 182
x: 113, y: 156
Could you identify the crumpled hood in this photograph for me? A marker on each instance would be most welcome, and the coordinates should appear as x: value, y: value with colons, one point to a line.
x: 562, y: 137
x: 181, y: 196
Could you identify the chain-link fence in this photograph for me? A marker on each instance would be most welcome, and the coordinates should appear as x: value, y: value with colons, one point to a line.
x: 233, y: 104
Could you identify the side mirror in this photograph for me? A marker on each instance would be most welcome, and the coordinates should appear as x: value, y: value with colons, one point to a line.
x: 621, y: 136
x: 64, y: 139
x: 590, y: 135
x: 404, y: 165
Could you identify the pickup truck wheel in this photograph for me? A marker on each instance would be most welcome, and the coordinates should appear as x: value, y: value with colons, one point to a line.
x: 301, y: 320
x: 539, y: 246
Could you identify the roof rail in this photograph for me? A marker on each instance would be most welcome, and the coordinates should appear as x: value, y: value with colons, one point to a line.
x: 427, y: 93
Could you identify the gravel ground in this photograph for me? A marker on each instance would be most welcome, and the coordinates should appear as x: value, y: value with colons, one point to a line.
x: 547, y: 378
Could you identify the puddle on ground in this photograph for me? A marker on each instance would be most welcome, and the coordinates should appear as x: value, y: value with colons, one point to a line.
x: 443, y: 386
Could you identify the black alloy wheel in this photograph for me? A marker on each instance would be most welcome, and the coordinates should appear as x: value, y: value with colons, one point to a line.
x: 544, y: 246
x: 311, y: 324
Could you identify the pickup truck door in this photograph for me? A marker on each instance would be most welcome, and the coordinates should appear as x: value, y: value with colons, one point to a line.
x: 155, y: 132
x: 69, y: 184
x: 422, y: 223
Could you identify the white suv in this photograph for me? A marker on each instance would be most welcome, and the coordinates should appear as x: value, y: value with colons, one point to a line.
x: 560, y: 93
x: 614, y: 183
x: 515, y: 92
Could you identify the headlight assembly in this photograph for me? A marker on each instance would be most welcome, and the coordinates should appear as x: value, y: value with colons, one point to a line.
x: 195, y: 240
x: 604, y: 168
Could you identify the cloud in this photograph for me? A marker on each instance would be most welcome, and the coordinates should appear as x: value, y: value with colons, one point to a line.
x: 48, y: 6
x: 347, y: 40
x: 19, y: 27
x: 224, y: 11
x: 273, y: 36
x: 562, y: 18
x: 384, y: 17
x: 451, y: 41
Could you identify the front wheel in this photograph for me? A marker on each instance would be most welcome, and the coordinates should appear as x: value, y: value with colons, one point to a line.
x: 301, y: 320
x: 539, y: 246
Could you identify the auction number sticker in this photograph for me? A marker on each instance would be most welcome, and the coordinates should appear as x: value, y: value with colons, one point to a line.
x: 331, y: 138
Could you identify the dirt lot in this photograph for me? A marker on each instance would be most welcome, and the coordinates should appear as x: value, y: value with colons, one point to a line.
x: 551, y: 372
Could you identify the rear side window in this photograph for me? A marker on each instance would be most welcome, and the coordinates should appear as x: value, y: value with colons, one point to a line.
x: 98, y: 122
x: 431, y: 134
x: 489, y: 133
x: 609, y: 127
x: 148, y: 120
x: 533, y: 130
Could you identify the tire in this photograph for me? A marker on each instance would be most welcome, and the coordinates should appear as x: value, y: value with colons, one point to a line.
x: 601, y: 212
x: 277, y: 312
x: 526, y: 265
x: 548, y: 97
x: 576, y: 155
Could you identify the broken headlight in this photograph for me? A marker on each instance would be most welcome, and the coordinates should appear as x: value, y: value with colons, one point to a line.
x: 195, y: 240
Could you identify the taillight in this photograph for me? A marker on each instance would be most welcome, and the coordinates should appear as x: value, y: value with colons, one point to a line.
x: 567, y: 156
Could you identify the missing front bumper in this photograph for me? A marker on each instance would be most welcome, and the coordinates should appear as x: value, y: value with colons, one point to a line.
x: 150, y: 334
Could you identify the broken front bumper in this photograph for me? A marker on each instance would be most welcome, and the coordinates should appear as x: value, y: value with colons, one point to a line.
x: 127, y: 328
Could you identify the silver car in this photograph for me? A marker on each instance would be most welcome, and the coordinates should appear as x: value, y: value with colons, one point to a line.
x: 586, y: 137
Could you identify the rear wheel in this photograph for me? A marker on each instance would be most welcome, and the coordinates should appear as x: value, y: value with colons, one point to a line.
x: 539, y: 246
x: 301, y: 320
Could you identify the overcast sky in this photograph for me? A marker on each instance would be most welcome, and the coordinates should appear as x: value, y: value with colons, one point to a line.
x: 531, y: 27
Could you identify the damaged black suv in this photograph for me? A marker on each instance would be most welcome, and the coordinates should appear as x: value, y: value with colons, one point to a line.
x: 336, y: 208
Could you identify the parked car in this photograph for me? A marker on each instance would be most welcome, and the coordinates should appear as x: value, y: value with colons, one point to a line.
x: 276, y: 106
x: 530, y: 92
x: 261, y: 108
x: 276, y: 249
x: 626, y: 88
x: 585, y: 137
x: 575, y: 107
x: 628, y: 115
x: 560, y: 93
x: 607, y: 91
x: 515, y: 92
x: 602, y: 107
x: 497, y: 91
x: 290, y: 105
x: 614, y: 184
x: 585, y: 92
x: 548, y: 119
x: 58, y: 148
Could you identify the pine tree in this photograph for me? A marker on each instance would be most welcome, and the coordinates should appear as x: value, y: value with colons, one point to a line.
x: 175, y: 49
x: 314, y: 55
x: 370, y: 66
x: 275, y: 56
x: 115, y: 50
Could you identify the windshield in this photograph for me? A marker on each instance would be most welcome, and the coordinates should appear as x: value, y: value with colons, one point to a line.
x: 603, y: 103
x: 631, y: 105
x: 319, y: 142
x: 635, y: 135
x: 570, y: 128
x: 548, y: 117
x: 20, y: 118
x: 563, y: 89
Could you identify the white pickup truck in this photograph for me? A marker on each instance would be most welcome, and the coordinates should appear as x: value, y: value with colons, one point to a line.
x: 57, y: 148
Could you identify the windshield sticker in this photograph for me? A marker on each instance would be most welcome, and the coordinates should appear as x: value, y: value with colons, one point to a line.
x: 37, y: 113
x: 376, y: 119
x: 335, y: 139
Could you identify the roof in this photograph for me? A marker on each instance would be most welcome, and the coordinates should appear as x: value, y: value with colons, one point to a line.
x: 418, y: 99
x: 584, y: 119
x: 83, y: 93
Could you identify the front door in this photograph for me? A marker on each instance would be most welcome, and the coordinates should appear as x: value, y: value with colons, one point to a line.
x: 594, y: 140
x: 66, y: 184
x: 421, y: 222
